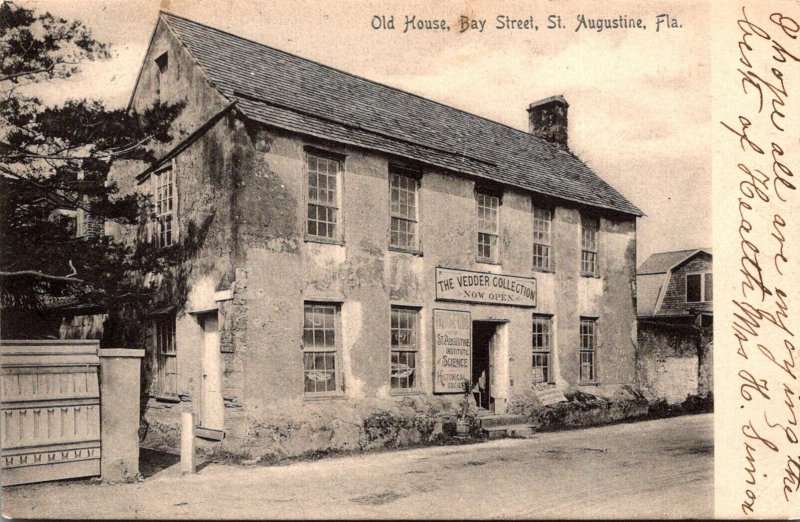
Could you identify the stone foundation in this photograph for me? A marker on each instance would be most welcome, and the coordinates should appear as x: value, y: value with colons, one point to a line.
x: 324, y: 427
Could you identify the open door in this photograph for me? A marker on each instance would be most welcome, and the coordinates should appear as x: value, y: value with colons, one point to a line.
x: 483, y: 333
x: 212, y: 411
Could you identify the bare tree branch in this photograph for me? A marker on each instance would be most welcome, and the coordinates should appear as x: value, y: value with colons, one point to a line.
x: 42, y: 275
x: 13, y: 77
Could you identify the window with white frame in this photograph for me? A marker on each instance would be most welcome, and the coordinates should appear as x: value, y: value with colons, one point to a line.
x: 166, y: 355
x: 404, y: 345
x: 164, y: 195
x: 488, y: 226
x: 588, y: 335
x: 323, y: 197
x: 403, y: 210
x: 699, y: 288
x: 542, y: 222
x: 320, y: 343
x: 589, y: 230
x: 541, y: 345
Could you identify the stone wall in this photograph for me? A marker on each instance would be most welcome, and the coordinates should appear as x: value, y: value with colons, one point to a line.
x: 674, y: 360
x: 581, y: 409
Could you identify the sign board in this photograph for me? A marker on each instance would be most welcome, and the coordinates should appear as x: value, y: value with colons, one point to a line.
x: 548, y: 394
x: 484, y: 287
x: 452, y: 348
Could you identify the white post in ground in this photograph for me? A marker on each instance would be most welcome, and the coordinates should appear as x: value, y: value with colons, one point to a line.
x: 188, y: 462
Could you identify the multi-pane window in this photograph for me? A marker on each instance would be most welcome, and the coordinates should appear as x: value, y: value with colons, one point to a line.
x: 542, y: 221
x: 166, y: 355
x: 320, y: 339
x: 403, y: 211
x: 165, y: 207
x: 541, y: 340
x: 699, y: 288
x: 488, y: 226
x: 323, y: 197
x: 589, y: 228
x: 588, y: 334
x: 405, y: 345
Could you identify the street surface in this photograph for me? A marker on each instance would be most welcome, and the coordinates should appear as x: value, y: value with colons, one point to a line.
x: 654, y: 469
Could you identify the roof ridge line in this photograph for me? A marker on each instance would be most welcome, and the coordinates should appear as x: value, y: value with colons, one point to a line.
x: 522, y: 132
x: 624, y: 206
x: 681, y: 250
x: 239, y: 94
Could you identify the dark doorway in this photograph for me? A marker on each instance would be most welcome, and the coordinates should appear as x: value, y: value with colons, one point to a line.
x: 482, y: 334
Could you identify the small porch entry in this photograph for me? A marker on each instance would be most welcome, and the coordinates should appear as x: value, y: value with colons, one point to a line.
x: 483, y: 347
x: 212, y: 410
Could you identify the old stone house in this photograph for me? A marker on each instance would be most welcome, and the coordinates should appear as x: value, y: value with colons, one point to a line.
x: 358, y: 249
x: 675, y: 295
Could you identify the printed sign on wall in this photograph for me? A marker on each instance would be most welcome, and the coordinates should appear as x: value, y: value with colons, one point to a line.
x: 484, y: 287
x: 548, y: 394
x: 452, y: 348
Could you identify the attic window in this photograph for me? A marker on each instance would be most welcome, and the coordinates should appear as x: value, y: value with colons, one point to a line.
x: 163, y: 63
x: 699, y: 288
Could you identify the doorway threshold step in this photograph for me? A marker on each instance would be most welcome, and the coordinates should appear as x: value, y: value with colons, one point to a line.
x: 511, y: 430
x: 209, y: 433
x: 506, y: 419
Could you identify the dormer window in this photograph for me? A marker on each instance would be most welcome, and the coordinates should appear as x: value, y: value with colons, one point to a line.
x: 699, y: 288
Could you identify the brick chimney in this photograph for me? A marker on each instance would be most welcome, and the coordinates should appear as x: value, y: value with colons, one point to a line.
x: 547, y: 119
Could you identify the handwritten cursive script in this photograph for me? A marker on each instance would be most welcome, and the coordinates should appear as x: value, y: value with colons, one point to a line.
x: 762, y: 320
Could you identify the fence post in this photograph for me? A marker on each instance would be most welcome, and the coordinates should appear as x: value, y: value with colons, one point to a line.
x: 119, y: 413
x: 188, y: 462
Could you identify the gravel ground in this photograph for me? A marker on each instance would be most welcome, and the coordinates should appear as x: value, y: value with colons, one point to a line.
x: 653, y: 469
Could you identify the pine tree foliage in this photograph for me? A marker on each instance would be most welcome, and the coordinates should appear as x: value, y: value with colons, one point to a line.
x: 54, y: 162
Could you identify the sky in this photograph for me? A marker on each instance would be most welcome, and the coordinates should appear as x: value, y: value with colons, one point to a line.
x: 640, y: 102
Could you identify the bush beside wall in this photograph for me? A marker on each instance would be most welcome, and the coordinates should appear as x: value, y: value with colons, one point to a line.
x: 332, y: 427
x: 581, y: 409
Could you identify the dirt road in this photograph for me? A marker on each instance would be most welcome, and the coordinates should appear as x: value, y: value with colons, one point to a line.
x: 656, y: 469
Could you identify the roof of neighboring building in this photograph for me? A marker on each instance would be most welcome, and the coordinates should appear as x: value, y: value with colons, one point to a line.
x: 304, y: 96
x: 661, y: 262
x: 653, y: 275
x: 648, y: 288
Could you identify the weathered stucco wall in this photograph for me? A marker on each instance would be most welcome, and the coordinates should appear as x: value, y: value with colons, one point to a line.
x: 206, y: 174
x: 241, y: 201
x: 278, y: 270
x: 363, y: 274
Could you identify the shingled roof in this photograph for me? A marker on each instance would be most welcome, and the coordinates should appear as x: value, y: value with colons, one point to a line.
x: 285, y: 91
x: 661, y: 262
